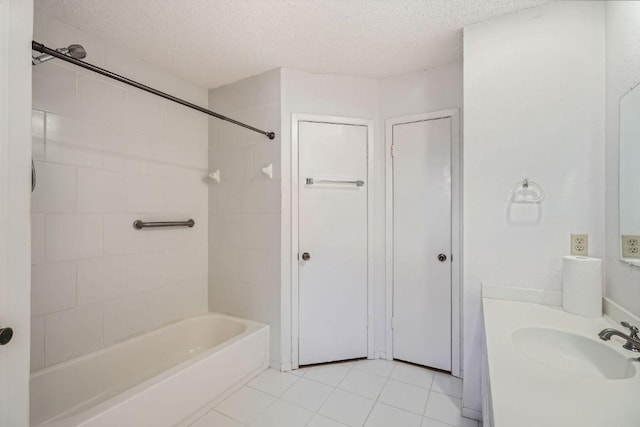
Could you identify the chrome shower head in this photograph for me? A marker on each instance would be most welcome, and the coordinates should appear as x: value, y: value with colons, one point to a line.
x: 75, y: 51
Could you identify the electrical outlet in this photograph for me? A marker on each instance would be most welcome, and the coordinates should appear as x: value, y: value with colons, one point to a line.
x: 580, y: 244
x: 630, y: 246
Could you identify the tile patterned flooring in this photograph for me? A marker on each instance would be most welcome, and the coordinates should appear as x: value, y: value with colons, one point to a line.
x: 369, y: 393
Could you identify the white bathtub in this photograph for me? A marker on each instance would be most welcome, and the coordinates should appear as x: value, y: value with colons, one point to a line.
x: 156, y: 379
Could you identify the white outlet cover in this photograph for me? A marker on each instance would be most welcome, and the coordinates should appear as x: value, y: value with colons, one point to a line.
x: 630, y: 246
x: 580, y: 244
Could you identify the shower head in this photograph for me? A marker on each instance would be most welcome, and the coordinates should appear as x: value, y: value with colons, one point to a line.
x: 75, y: 51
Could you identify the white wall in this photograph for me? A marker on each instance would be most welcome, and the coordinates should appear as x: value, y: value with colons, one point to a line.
x: 421, y: 92
x: 244, y: 221
x: 623, y: 72
x: 107, y: 154
x: 534, y: 98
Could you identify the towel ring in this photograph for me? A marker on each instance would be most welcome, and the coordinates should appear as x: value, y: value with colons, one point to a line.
x: 527, y: 191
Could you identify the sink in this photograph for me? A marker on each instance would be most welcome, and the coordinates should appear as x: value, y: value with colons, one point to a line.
x: 573, y: 354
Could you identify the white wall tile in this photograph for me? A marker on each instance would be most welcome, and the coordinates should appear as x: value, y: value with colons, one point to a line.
x: 196, y: 160
x: 256, y: 117
x: 124, y: 63
x: 194, y: 296
x: 119, y: 234
x: 244, y: 209
x: 169, y: 83
x: 145, y: 193
x: 144, y: 113
x: 124, y: 317
x: 37, y: 238
x: 125, y: 151
x: 256, y: 231
x: 37, y: 343
x: 185, y: 127
x: 55, y: 188
x: 99, y: 101
x: 73, y: 236
x: 101, y: 191
x: 53, y: 287
x: 39, y: 23
x: 235, y: 96
x: 72, y: 332
x: 260, y: 267
x: 37, y: 134
x: 163, y: 306
x: 180, y: 265
x: 186, y: 193
x: 225, y: 263
x: 121, y: 238
x: 54, y: 88
x: 71, y: 141
x: 224, y: 135
x: 101, y: 279
x: 110, y: 154
x: 146, y: 271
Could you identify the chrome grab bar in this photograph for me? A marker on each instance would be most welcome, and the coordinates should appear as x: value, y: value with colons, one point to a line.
x: 139, y: 224
x: 311, y: 181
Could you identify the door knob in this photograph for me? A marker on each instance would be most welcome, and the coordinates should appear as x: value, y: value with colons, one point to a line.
x: 442, y: 257
x: 306, y: 256
x: 5, y: 335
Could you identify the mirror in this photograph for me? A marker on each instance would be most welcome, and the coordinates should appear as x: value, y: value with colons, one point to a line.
x: 630, y: 177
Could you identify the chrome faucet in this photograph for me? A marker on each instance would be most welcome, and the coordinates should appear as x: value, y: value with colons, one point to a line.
x: 633, y: 340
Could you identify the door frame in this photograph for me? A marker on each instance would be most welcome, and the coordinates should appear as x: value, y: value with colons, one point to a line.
x: 15, y: 212
x: 456, y: 234
x: 296, y: 118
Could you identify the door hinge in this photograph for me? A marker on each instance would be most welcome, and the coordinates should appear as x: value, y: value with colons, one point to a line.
x: 393, y: 323
x: 393, y: 151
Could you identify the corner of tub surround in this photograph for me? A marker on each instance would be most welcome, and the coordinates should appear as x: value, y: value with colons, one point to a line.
x: 509, y: 293
x: 618, y: 314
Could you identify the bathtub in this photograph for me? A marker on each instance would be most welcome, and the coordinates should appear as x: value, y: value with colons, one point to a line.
x: 156, y: 379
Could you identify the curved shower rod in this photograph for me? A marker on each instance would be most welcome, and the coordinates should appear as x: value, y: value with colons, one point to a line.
x: 39, y: 47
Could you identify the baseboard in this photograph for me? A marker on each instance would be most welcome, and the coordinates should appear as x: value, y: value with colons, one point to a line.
x: 472, y: 413
x: 618, y: 313
x: 286, y: 367
x: 535, y: 296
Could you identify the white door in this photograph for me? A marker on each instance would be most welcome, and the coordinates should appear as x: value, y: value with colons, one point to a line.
x: 16, y: 17
x: 332, y: 242
x: 422, y: 242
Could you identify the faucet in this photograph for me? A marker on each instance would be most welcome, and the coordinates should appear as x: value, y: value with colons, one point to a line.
x: 633, y: 340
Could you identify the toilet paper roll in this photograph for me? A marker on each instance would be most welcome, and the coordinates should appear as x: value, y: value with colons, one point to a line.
x: 582, y: 286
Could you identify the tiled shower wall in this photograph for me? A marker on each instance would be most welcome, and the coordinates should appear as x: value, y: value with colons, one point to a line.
x: 105, y: 155
x: 244, y: 246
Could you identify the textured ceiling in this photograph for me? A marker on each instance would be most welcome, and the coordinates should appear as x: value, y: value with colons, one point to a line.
x: 214, y: 42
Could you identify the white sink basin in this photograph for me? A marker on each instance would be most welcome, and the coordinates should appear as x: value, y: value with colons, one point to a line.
x: 573, y: 354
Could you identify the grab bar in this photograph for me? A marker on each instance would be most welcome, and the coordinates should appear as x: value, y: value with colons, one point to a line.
x: 139, y: 224
x: 311, y: 181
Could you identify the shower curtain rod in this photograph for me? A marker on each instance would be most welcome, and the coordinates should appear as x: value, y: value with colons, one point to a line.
x: 44, y: 49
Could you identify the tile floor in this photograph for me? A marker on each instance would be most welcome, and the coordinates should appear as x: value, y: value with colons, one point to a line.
x: 370, y: 393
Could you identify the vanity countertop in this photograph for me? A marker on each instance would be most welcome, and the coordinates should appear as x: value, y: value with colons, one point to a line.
x: 527, y: 392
